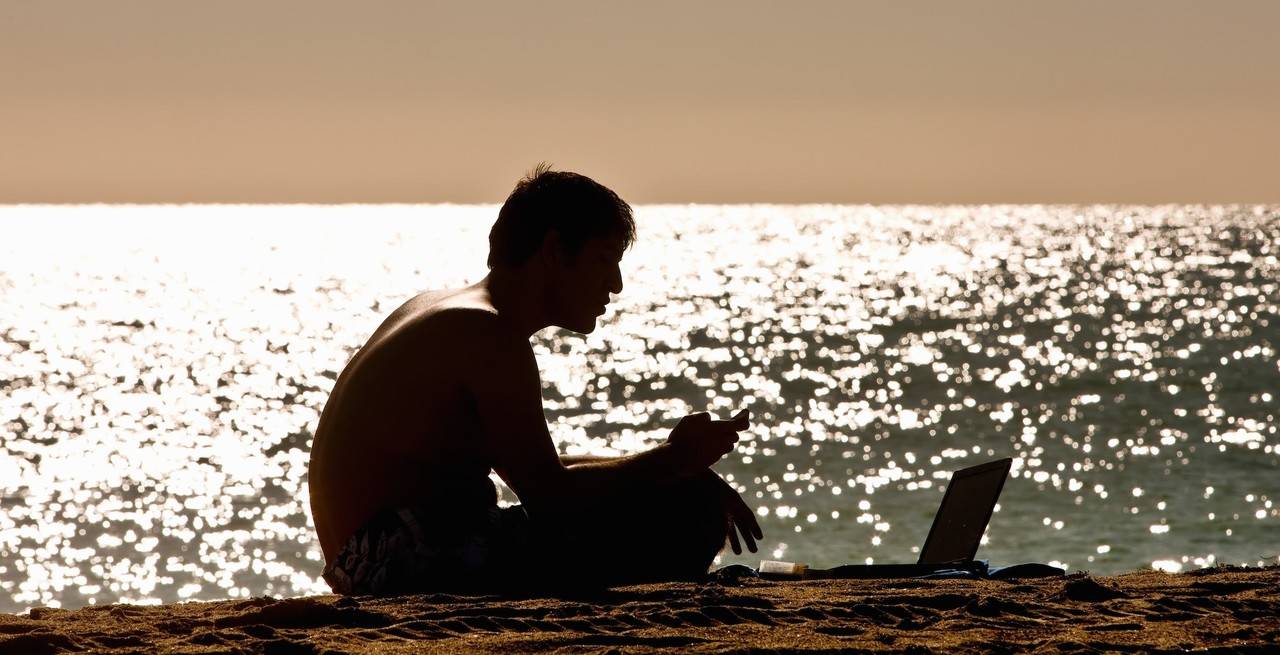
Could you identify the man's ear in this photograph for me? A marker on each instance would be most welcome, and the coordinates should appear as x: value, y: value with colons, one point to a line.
x: 551, y: 252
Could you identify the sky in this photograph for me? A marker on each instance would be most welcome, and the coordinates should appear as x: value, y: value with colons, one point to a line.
x: 983, y: 101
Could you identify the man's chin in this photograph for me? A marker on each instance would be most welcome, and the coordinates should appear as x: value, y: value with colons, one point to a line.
x: 585, y: 327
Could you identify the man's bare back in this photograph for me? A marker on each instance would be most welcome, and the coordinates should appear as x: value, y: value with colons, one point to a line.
x: 398, y: 428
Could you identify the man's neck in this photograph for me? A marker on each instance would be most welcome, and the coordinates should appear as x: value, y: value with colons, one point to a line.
x: 518, y: 298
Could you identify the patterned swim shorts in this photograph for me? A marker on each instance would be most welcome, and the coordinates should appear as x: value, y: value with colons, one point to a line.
x: 405, y: 550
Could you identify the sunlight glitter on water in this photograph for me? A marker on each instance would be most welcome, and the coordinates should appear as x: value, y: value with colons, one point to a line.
x: 161, y: 370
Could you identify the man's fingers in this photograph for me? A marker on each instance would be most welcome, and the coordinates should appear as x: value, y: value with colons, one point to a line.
x: 746, y: 536
x: 700, y: 417
x: 728, y: 430
x: 722, y: 437
x: 739, y: 421
x: 746, y: 520
x: 736, y: 527
x: 742, y: 519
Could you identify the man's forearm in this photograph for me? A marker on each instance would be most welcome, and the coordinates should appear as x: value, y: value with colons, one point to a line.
x: 607, y: 475
x: 570, y: 460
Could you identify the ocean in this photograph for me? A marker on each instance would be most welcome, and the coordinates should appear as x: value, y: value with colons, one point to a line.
x: 162, y: 368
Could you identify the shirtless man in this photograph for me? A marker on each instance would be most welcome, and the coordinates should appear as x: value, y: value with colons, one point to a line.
x: 447, y: 389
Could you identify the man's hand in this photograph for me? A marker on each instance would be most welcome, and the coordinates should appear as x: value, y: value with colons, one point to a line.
x: 700, y: 442
x: 741, y: 519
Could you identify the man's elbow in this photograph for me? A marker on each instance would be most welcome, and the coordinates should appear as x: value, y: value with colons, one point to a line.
x: 548, y: 494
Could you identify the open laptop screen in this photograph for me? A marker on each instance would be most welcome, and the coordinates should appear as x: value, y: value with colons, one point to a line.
x: 964, y: 513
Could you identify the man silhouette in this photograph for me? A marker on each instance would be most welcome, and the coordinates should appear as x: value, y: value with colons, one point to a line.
x: 447, y: 389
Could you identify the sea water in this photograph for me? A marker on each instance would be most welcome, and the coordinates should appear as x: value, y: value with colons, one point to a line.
x: 162, y: 369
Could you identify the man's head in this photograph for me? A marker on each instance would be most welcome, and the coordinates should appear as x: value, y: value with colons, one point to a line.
x: 576, y: 229
x: 575, y: 206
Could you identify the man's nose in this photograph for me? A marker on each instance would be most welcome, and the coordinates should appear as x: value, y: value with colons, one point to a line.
x: 615, y: 284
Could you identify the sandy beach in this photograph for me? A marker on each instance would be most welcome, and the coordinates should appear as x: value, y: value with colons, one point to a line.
x: 1225, y: 609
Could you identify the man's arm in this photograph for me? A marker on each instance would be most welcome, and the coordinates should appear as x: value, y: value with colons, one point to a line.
x: 501, y: 376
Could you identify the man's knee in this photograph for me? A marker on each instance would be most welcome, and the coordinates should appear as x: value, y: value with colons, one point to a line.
x: 704, y: 488
x: 684, y: 525
x: 702, y: 520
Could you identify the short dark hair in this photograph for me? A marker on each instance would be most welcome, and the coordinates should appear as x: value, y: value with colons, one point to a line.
x: 575, y: 206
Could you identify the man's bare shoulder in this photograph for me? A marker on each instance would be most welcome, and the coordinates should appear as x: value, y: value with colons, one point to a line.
x: 458, y: 320
x: 442, y: 338
x: 432, y: 306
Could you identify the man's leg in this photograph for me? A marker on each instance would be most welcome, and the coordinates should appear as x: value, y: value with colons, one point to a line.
x: 662, y: 532
x: 688, y: 526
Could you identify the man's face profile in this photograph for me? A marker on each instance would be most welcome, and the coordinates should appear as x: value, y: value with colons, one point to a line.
x: 584, y: 283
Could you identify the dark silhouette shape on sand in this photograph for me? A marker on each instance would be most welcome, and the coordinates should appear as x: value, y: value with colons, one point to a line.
x: 447, y: 390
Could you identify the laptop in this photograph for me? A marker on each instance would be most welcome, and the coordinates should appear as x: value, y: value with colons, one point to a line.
x: 953, y: 539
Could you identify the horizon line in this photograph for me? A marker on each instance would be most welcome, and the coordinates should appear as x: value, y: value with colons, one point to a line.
x: 1171, y: 203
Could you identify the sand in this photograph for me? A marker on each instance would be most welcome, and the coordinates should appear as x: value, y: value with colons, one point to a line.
x: 1226, y: 609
